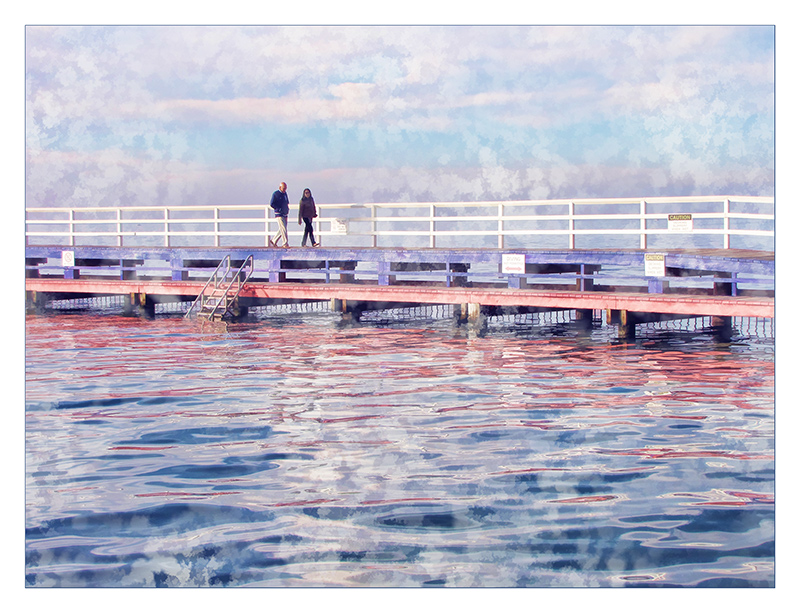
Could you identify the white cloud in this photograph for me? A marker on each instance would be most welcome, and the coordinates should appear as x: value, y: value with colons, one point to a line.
x: 515, y: 104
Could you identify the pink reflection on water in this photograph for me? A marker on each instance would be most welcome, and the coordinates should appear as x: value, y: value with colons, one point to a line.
x: 397, y: 501
x: 185, y: 495
x: 667, y: 453
x: 727, y: 498
x: 585, y: 499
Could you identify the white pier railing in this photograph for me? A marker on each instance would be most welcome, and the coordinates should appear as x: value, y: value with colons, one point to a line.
x: 662, y: 222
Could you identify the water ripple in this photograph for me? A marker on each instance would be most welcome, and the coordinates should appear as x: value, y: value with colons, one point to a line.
x: 291, y: 452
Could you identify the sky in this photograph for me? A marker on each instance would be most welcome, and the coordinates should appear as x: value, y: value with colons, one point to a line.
x: 175, y: 115
x: 156, y: 115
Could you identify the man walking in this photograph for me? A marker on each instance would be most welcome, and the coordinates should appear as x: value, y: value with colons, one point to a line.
x: 280, y: 204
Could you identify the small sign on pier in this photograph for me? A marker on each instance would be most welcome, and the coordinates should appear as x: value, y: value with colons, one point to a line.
x: 338, y: 226
x: 513, y: 264
x: 654, y: 265
x: 680, y: 222
x: 68, y: 258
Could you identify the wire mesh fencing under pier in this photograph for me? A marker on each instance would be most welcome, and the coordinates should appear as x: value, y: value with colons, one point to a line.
x: 758, y: 327
x: 290, y: 308
x: 434, y: 314
x: 742, y: 329
x: 113, y: 304
x: 262, y: 309
x: 426, y: 312
x: 94, y: 303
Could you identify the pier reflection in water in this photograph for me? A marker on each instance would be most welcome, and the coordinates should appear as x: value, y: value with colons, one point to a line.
x: 289, y: 451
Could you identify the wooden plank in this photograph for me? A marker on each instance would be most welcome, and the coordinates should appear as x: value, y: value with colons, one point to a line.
x: 647, y: 303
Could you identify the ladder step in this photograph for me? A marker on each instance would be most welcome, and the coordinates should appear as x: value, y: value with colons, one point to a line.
x: 218, y: 302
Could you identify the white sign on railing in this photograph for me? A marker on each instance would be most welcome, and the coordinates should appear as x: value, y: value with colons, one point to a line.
x: 68, y: 258
x: 338, y: 226
x: 654, y: 265
x: 513, y: 264
x: 681, y: 222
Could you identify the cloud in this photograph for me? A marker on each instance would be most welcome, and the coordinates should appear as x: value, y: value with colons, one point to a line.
x: 476, y: 111
x: 111, y: 178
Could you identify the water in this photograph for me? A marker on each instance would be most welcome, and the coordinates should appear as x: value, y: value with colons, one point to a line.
x: 292, y: 452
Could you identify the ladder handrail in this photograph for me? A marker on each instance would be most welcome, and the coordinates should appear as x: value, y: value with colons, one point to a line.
x: 210, y: 279
x: 235, y: 277
x: 218, y: 283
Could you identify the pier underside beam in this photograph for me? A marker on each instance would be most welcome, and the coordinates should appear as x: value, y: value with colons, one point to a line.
x: 139, y: 304
x: 670, y: 305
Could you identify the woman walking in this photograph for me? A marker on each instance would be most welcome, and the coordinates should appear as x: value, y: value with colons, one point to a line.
x: 307, y: 212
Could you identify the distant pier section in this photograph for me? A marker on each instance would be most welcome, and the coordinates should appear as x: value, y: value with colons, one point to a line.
x: 628, y: 260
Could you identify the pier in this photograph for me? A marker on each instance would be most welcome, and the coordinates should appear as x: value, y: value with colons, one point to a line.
x: 492, y: 258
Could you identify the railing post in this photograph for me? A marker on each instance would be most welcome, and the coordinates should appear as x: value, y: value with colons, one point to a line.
x: 643, y: 224
x: 71, y: 228
x: 501, y: 239
x: 726, y: 223
x: 166, y: 227
x: 572, y: 225
x: 216, y: 226
x: 266, y: 226
x: 373, y: 214
x: 432, y: 227
x: 119, y: 227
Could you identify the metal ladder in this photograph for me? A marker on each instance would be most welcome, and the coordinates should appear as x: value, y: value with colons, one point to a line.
x: 218, y: 297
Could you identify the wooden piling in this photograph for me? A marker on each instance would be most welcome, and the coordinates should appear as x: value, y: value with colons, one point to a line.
x: 625, y: 322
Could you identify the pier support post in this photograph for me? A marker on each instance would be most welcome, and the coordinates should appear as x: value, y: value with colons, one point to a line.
x: 129, y: 304
x: 350, y: 310
x: 239, y: 311
x: 626, y: 324
x: 583, y: 317
x: 474, y: 312
x: 471, y: 314
x: 148, y: 307
x: 460, y: 313
x: 35, y: 302
x: 139, y: 304
x: 723, y: 328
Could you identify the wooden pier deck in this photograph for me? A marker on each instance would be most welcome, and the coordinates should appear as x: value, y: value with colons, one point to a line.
x: 386, y: 296
x: 727, y: 282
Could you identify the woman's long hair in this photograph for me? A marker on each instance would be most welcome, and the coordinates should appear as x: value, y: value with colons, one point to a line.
x: 310, y: 198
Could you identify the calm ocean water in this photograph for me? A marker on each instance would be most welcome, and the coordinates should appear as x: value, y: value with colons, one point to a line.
x: 292, y: 452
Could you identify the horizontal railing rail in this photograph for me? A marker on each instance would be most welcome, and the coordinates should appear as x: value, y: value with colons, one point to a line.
x: 604, y: 222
